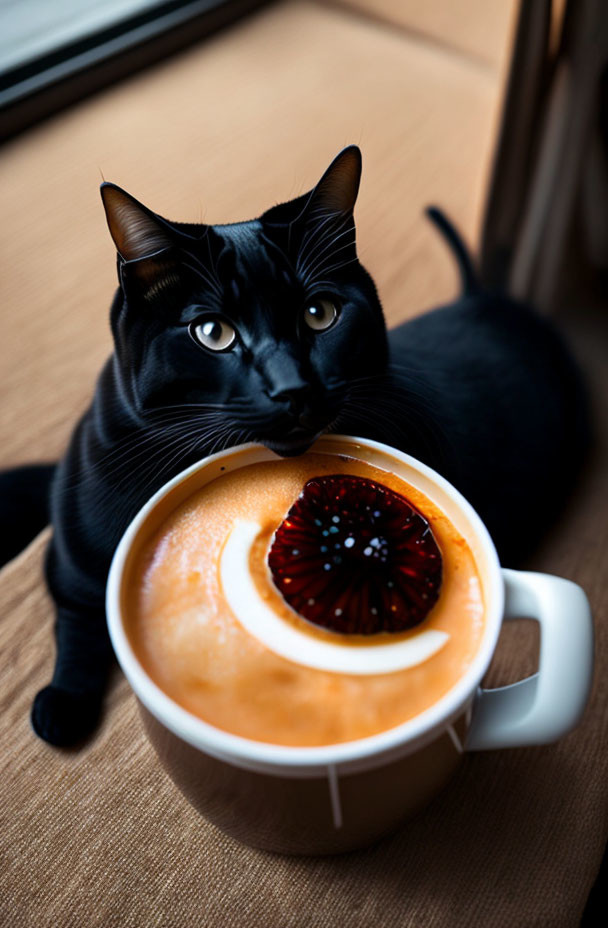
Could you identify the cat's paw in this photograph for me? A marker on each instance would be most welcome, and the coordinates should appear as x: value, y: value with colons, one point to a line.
x: 63, y: 718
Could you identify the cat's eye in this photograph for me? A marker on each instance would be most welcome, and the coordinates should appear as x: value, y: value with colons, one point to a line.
x: 216, y: 334
x: 320, y: 314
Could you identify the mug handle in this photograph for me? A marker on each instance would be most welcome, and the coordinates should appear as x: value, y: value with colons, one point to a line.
x: 548, y: 704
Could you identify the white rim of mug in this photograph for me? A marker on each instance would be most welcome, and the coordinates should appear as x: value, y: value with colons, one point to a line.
x: 273, y: 758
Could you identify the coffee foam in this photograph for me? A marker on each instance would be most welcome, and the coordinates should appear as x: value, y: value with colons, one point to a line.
x: 284, y: 639
x: 191, y: 643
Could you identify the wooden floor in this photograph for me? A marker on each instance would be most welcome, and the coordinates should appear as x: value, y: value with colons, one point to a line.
x: 220, y: 132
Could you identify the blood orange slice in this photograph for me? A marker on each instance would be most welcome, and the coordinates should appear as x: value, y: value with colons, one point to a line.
x: 355, y: 557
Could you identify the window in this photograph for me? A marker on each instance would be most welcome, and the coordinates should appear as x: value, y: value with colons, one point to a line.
x: 51, y: 54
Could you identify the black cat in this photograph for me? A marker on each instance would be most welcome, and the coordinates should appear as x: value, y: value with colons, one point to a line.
x: 271, y: 330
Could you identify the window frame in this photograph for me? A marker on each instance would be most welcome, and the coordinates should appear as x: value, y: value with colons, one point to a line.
x: 31, y: 91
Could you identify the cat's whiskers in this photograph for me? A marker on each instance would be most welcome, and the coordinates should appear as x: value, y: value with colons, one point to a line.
x: 388, y: 394
x: 311, y: 276
x: 203, y: 406
x: 122, y: 505
x: 323, y: 242
x: 312, y: 262
x: 206, y: 279
x: 384, y: 382
x: 197, y: 267
x: 135, y: 442
x: 158, y: 419
x: 209, y: 274
x: 223, y: 434
x: 424, y: 428
x: 178, y: 449
x: 330, y: 285
x: 332, y: 270
x: 374, y: 399
x: 137, y: 469
x: 157, y: 433
x: 213, y: 263
x: 233, y: 438
x: 307, y: 255
x: 375, y: 419
x: 403, y: 368
x: 317, y: 231
x: 245, y: 435
x: 131, y: 450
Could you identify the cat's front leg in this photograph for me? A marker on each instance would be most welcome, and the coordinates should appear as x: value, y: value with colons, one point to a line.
x: 68, y: 709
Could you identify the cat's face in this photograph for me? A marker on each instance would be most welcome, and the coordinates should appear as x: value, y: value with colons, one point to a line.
x: 260, y: 325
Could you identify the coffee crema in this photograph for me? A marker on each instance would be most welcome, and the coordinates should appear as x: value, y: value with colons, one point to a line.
x: 217, y: 666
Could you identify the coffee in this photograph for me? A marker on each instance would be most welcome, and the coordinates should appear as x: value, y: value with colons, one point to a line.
x: 212, y: 629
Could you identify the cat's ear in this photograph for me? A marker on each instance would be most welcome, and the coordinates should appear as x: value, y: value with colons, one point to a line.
x: 136, y: 231
x: 335, y: 194
x: 337, y: 190
x: 146, y: 245
x: 327, y: 217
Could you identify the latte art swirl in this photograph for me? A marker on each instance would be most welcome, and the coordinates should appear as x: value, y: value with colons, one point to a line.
x: 297, y: 645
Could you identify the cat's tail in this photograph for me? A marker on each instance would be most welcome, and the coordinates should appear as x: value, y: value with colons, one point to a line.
x: 468, y: 275
x: 24, y: 506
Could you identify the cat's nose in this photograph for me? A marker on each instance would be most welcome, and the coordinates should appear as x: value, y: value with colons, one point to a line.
x: 296, y: 398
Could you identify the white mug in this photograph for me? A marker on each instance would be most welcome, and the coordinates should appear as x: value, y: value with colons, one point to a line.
x: 339, y: 797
